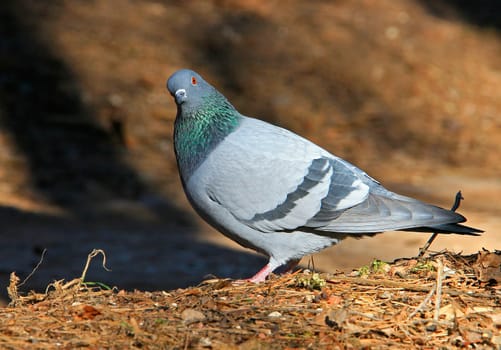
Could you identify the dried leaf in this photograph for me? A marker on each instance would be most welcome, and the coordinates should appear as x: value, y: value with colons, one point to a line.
x: 496, y: 319
x: 481, y: 309
x: 86, y: 312
x: 450, y: 312
x: 388, y: 331
x: 488, y: 266
x: 334, y: 300
x: 336, y: 318
x: 190, y: 316
x: 274, y: 314
x: 472, y: 336
x: 496, y: 340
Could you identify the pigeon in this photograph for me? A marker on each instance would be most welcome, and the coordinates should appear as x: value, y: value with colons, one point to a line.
x: 276, y: 192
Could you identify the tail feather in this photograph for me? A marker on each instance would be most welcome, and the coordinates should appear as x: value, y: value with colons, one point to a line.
x: 455, y: 228
x: 388, y: 212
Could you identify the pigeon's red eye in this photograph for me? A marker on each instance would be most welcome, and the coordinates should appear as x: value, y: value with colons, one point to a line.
x: 193, y: 81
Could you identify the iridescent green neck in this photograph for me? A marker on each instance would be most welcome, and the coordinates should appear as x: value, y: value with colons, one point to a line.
x: 197, y: 131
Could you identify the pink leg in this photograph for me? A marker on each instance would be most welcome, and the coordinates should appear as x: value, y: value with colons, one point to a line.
x: 267, y: 269
x: 261, y: 275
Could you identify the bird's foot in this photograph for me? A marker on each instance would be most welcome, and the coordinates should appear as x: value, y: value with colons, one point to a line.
x: 261, y: 275
x: 267, y: 269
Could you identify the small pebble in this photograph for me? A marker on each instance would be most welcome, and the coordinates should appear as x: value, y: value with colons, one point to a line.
x: 191, y: 316
x: 205, y: 342
x: 431, y: 327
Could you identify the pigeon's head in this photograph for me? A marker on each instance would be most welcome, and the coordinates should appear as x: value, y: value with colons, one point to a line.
x: 188, y: 88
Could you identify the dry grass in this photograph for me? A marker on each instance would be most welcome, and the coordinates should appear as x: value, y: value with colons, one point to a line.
x: 445, y: 300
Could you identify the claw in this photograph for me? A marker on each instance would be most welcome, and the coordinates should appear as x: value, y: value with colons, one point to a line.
x: 261, y: 275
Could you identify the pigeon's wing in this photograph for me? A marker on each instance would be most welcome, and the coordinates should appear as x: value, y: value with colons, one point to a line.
x: 383, y: 211
x: 273, y: 180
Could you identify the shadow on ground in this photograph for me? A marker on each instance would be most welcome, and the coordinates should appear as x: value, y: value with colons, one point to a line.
x: 482, y: 13
x: 72, y: 160
x: 141, y: 255
x: 78, y: 165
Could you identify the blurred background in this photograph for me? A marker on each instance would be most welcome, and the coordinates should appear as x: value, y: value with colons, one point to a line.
x: 410, y: 91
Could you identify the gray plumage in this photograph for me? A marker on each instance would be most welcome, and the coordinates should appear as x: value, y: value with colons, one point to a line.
x: 276, y: 192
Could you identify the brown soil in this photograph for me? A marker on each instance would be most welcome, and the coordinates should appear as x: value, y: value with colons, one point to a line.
x: 448, y: 301
x: 409, y: 91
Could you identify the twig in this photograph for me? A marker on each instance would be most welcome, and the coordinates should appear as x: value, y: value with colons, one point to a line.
x: 383, y: 283
x: 370, y: 317
x: 438, y: 299
x: 34, y: 269
x: 404, y: 329
x: 186, y: 341
x: 91, y: 255
x: 405, y: 286
x: 311, y: 262
x: 12, y: 288
x: 77, y: 282
x: 423, y: 303
x: 457, y: 202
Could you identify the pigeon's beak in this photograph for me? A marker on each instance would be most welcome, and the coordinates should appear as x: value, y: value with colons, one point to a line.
x: 180, y: 96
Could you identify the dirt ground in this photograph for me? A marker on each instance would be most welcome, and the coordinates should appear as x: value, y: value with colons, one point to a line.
x: 409, y: 91
x: 446, y: 301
